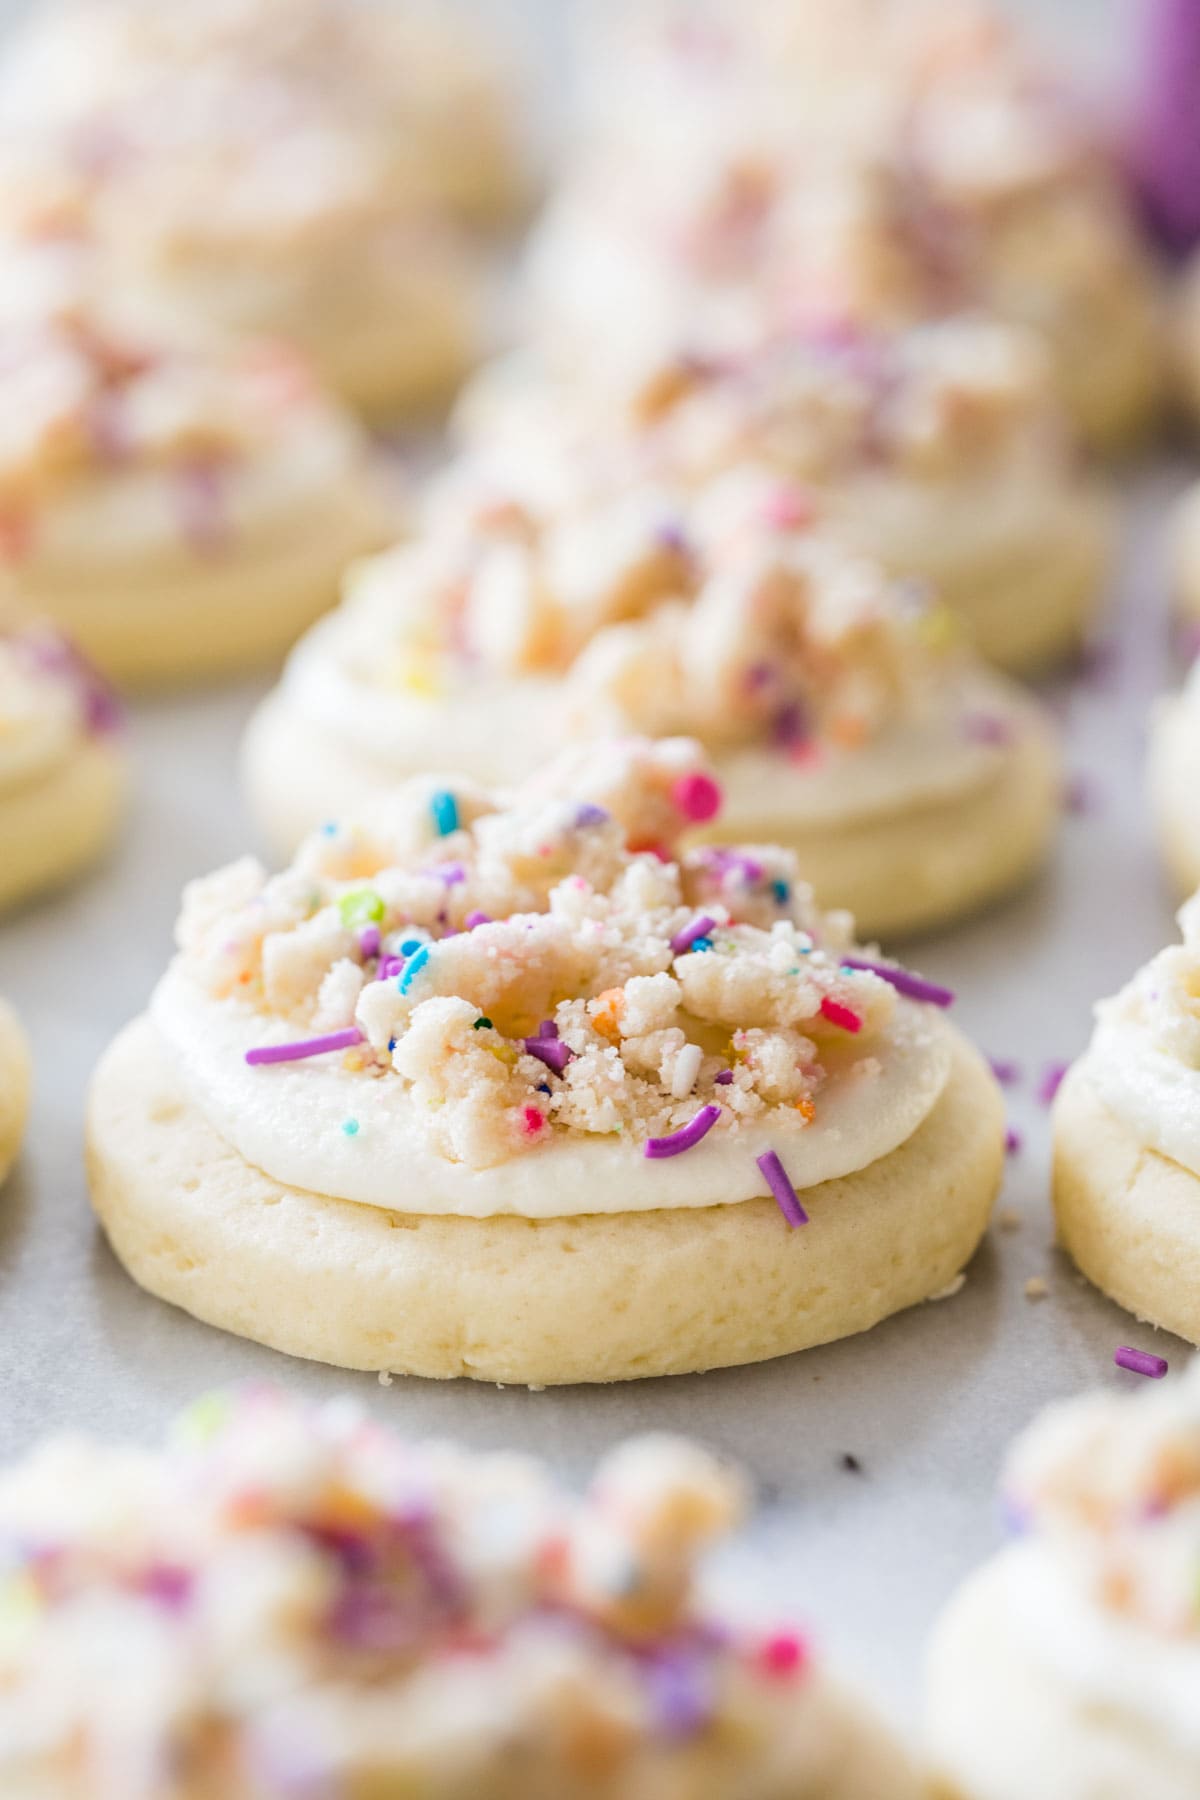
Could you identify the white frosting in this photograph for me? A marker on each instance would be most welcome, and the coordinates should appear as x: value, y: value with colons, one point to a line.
x: 1144, y: 1058
x: 287, y: 1120
x: 44, y: 706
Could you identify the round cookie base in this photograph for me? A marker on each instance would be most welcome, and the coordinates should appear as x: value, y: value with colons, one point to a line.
x: 53, y: 828
x: 1173, y: 788
x: 596, y: 1298
x: 15, y: 1081
x: 1129, y: 1218
x: 898, y: 875
x: 1001, y: 1728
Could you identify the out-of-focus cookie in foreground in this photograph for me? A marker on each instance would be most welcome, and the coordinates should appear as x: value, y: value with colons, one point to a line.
x: 14, y: 1087
x: 512, y: 1087
x: 290, y: 1598
x: 1068, y: 1667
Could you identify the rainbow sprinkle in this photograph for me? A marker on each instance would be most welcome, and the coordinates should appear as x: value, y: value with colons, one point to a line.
x: 443, y: 809
x: 413, y: 967
x: 297, y: 1051
x: 686, y: 1138
x: 779, y: 1182
x: 1141, y: 1362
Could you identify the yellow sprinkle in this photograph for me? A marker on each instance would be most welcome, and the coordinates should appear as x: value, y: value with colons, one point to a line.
x: 938, y: 629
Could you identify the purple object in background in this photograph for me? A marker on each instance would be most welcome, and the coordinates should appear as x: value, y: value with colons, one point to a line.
x: 1165, y: 141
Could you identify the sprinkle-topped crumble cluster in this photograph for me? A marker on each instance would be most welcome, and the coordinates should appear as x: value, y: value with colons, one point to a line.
x: 1112, y: 1485
x: 549, y: 963
x: 90, y: 399
x: 46, y: 686
x: 720, y: 614
x: 290, y: 1598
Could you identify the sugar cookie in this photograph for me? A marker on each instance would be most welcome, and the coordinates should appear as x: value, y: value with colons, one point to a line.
x: 291, y: 1597
x: 62, y: 765
x: 1173, y: 780
x: 14, y: 1087
x: 1127, y: 1155
x: 567, y: 1073
x: 846, y: 721
x: 1065, y: 1669
x: 180, y: 511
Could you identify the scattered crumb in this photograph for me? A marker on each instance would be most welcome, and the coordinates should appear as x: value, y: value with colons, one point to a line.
x: 951, y: 1288
x: 1036, y: 1288
x: 1009, y: 1219
x: 1051, y: 1080
x: 851, y: 1464
x: 385, y: 1379
x: 537, y: 1387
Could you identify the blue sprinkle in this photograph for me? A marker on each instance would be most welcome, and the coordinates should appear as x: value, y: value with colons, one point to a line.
x: 543, y: 1087
x: 330, y: 829
x: 444, y: 808
x: 410, y: 946
x: 702, y: 943
x: 781, y: 891
x: 350, y: 1127
x: 412, y: 968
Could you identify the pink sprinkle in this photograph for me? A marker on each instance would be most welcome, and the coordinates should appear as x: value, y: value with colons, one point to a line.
x: 699, y: 927
x: 697, y: 796
x: 1053, y: 1076
x: 477, y: 918
x: 1140, y: 1362
x: 837, y: 1014
x: 295, y: 1052
x: 779, y: 1182
x: 789, y: 509
x: 686, y: 1138
x: 1013, y: 1142
x: 784, y: 1654
x: 534, y: 1120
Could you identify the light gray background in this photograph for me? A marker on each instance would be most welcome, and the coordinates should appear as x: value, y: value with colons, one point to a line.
x: 926, y: 1402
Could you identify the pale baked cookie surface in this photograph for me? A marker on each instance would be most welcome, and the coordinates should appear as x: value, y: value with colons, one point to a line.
x: 315, y: 170
x: 14, y: 1087
x: 179, y: 510
x: 1127, y: 1159
x: 498, y: 1088
x: 1067, y: 1667
x: 845, y: 718
x: 63, y: 768
x: 887, y: 168
x: 291, y: 1598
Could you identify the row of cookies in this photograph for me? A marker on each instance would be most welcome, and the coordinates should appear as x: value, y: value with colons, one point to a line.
x: 290, y: 1599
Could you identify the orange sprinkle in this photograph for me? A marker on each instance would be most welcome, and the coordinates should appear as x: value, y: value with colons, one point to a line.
x: 807, y: 1110
x: 612, y: 1004
x: 849, y: 731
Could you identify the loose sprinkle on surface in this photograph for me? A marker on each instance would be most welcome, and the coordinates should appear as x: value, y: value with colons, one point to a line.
x: 1052, y: 1078
x: 1140, y: 1362
x: 779, y: 1182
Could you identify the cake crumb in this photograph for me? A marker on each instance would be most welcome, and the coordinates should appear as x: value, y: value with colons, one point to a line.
x: 385, y: 1378
x: 1036, y: 1288
x: 951, y: 1288
x: 1009, y: 1219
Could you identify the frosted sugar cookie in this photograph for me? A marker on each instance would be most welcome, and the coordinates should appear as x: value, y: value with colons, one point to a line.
x: 511, y: 1088
x: 179, y: 511
x: 1127, y: 1153
x: 938, y: 166
x: 1174, y: 781
x: 937, y: 449
x: 313, y: 170
x: 1067, y: 1668
x: 845, y: 720
x: 289, y: 1598
x: 62, y: 765
x: 14, y: 1087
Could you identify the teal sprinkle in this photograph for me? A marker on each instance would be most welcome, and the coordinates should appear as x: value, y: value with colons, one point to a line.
x: 411, y: 945
x: 781, y: 891
x: 702, y: 943
x: 350, y: 1127
x: 444, y: 808
x: 412, y: 968
x: 330, y: 829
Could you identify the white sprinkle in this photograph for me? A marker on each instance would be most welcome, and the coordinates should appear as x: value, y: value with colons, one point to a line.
x: 687, y: 1067
x: 385, y: 1379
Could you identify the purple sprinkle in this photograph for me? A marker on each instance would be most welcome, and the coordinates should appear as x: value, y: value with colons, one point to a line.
x: 477, y: 918
x: 551, y: 1051
x: 673, y: 540
x: 777, y: 1179
x: 1080, y: 796
x: 1053, y: 1076
x: 589, y: 815
x: 169, y: 1585
x: 914, y: 987
x: 388, y: 966
x: 789, y: 726
x: 452, y: 874
x: 295, y: 1052
x: 547, y: 1029
x: 1007, y: 1073
x: 1140, y: 1362
x: 1099, y: 663
x: 369, y: 941
x: 1013, y: 1142
x: 682, y: 1697
x: 1015, y: 1515
x: 725, y: 1078
x: 699, y: 927
x: 686, y: 1138
x: 987, y: 728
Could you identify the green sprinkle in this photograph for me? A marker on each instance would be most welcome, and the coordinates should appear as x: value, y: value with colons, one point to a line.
x: 203, y: 1419
x: 482, y: 1024
x: 363, y: 907
x: 350, y: 1127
